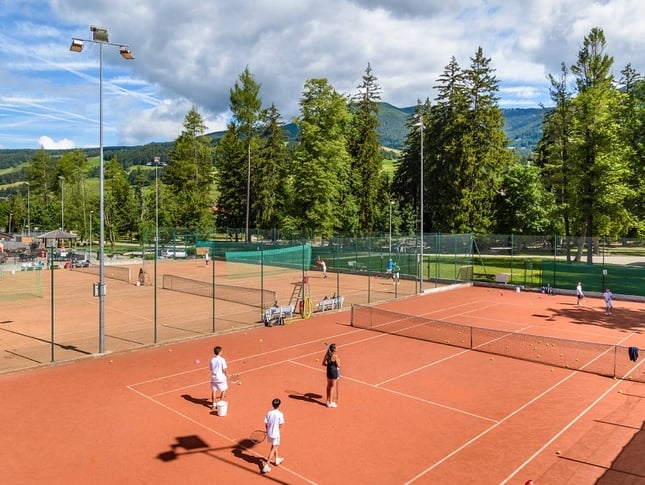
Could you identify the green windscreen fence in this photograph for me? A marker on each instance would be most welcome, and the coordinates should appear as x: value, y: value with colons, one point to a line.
x: 288, y: 257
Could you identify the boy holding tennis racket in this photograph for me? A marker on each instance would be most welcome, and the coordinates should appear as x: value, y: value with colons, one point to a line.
x: 273, y: 421
x: 219, y: 381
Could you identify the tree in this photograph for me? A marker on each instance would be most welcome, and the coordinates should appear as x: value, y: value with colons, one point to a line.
x: 322, y: 201
x: 599, y: 162
x: 238, y: 149
x: 523, y: 205
x: 189, y: 176
x: 121, y: 213
x: 270, y: 183
x: 365, y: 150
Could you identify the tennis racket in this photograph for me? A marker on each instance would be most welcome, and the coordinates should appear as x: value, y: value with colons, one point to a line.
x: 234, y: 378
x: 258, y: 436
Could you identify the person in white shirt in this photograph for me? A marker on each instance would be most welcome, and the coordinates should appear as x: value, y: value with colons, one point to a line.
x: 273, y: 422
x: 219, y: 381
x: 608, y: 296
x: 579, y: 294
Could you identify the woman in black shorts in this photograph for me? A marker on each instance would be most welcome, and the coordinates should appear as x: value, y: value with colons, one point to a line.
x: 332, y: 362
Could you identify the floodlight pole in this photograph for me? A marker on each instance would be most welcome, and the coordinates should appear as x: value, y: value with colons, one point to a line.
x: 420, y: 124
x: 28, y: 210
x: 100, y: 37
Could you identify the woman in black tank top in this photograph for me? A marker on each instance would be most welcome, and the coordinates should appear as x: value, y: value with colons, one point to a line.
x: 332, y: 362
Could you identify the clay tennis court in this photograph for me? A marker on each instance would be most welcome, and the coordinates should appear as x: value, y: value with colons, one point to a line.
x: 410, y: 411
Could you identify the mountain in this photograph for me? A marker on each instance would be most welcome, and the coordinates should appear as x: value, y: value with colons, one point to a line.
x: 523, y: 129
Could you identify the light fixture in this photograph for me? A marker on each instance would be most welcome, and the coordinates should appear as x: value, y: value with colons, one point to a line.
x: 99, y: 34
x: 126, y: 52
x: 77, y: 45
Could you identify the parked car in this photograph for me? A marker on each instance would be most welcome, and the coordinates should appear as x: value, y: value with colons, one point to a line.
x: 79, y: 263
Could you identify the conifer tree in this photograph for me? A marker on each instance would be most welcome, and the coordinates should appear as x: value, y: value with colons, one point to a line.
x: 365, y: 150
x: 188, y: 174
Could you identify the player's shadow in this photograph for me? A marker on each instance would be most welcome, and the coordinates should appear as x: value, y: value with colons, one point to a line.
x: 241, y: 450
x: 202, y: 402
x: 311, y: 397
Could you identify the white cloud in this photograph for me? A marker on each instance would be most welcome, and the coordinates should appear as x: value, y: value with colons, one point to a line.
x: 191, y: 53
x: 48, y: 143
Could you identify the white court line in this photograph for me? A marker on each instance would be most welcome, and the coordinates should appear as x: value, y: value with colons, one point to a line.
x: 221, y: 435
x: 524, y: 406
x: 573, y: 421
x: 415, y: 398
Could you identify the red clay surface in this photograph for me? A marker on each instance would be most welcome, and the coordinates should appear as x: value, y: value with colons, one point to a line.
x: 410, y: 411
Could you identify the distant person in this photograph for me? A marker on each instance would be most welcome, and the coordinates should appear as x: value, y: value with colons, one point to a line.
x: 206, y: 257
x: 273, y: 422
x: 608, y: 296
x: 396, y: 274
x: 323, y: 265
x: 219, y: 381
x: 579, y: 293
x: 390, y: 268
x: 332, y: 362
x: 141, y: 279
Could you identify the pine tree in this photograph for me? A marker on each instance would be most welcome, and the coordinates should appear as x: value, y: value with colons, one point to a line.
x: 188, y: 174
x: 121, y: 214
x: 270, y: 183
x: 365, y: 150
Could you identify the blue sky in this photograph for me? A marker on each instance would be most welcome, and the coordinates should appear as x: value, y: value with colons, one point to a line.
x: 191, y: 53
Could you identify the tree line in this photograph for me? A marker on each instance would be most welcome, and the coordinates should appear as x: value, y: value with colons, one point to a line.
x: 584, y: 179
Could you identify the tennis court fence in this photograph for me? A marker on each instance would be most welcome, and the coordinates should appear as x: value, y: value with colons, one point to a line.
x: 255, y: 297
x: 121, y: 273
x: 596, y: 358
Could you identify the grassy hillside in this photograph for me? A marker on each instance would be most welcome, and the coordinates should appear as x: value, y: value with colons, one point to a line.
x: 523, y: 128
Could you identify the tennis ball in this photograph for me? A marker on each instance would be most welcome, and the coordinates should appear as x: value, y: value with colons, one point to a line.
x: 558, y: 452
x: 169, y: 350
x: 619, y: 391
x: 110, y: 361
x: 239, y: 383
x: 196, y: 361
x: 261, y: 340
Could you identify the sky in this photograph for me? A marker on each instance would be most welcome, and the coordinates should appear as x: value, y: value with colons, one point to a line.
x: 191, y: 53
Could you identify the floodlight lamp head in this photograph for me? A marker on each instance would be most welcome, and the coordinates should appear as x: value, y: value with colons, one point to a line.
x: 126, y: 52
x: 77, y: 45
x: 99, y: 34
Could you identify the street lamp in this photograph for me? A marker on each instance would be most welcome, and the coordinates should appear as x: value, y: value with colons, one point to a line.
x: 91, y: 220
x: 420, y: 125
x: 157, y: 161
x: 390, y: 251
x: 100, y: 37
x: 28, y: 211
x: 62, y: 202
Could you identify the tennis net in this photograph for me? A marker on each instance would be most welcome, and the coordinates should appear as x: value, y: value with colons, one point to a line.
x: 254, y: 297
x: 596, y: 358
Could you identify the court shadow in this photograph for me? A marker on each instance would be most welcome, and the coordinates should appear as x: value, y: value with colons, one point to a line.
x: 200, y: 401
x: 241, y: 451
x: 311, y: 397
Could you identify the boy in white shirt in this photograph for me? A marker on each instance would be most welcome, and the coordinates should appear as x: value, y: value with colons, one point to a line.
x: 273, y: 421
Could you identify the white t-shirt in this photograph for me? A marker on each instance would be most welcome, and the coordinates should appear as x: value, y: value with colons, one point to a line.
x: 218, y: 366
x: 273, y: 420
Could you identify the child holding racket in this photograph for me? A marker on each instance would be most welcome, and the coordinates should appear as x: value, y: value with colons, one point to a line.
x: 332, y: 362
x: 273, y: 421
x: 218, y: 376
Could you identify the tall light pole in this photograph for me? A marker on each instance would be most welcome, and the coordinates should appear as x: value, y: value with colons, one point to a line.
x: 91, y: 221
x: 420, y: 125
x: 62, y: 202
x: 100, y: 37
x: 390, y: 251
x: 10, y: 216
x: 157, y: 160
x: 28, y: 210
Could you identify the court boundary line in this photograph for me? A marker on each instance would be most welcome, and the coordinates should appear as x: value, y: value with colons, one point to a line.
x: 213, y: 431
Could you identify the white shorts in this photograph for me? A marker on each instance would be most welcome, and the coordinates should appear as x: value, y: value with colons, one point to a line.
x: 220, y: 386
x: 273, y: 441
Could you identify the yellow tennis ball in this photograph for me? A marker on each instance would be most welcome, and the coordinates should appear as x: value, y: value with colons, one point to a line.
x: 239, y: 383
x: 261, y: 340
x: 558, y: 452
x: 110, y: 361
